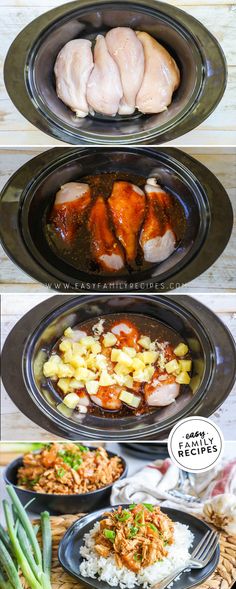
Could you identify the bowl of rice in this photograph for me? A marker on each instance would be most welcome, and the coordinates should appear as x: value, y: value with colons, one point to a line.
x: 65, y: 477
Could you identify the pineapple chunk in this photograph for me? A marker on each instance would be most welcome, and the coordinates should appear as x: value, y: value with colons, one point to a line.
x: 115, y: 355
x: 50, y: 368
x: 130, y: 351
x: 76, y: 384
x: 121, y: 369
x: 75, y: 360
x: 145, y: 342
x: 149, y: 371
x: 123, y: 358
x: 65, y: 370
x: 84, y: 374
x: 172, y: 366
x: 101, y: 362
x: 64, y: 384
x: 128, y: 381
x: 96, y: 348
x: 129, y: 399
x: 92, y: 387
x: 139, y: 376
x: 105, y: 379
x: 148, y: 357
x: 88, y: 341
x: 137, y: 364
x: 65, y: 345
x: 71, y: 401
x: 185, y: 365
x: 181, y: 350
x: 68, y: 332
x: 119, y: 379
x: 109, y: 340
x: 91, y: 361
x: 183, y: 378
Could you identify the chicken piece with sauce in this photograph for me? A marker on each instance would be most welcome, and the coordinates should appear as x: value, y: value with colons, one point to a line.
x: 69, y: 208
x: 157, y: 237
x: 106, y: 249
x: 127, y: 205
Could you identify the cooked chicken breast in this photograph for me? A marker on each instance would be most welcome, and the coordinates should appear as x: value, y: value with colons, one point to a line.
x: 72, y: 69
x: 161, y: 77
x: 69, y: 208
x: 104, y: 89
x: 157, y: 237
x: 127, y: 51
x: 106, y: 250
x: 127, y: 205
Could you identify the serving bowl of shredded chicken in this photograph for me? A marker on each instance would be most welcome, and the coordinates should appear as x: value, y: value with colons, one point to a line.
x: 87, y: 38
x: 65, y: 477
x: 130, y: 545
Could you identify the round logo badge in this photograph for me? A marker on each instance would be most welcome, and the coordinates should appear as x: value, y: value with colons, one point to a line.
x: 195, y: 444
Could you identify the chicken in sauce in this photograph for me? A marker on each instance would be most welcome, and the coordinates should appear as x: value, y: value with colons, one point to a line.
x: 137, y: 536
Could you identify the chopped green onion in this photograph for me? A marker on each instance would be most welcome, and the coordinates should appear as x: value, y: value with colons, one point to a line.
x: 132, y: 506
x: 137, y: 557
x: 123, y: 516
x: 61, y: 472
x: 152, y: 527
x: 109, y: 534
x: 148, y: 506
x: 133, y: 531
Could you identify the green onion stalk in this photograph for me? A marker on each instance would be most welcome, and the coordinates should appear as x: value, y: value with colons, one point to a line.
x: 24, y: 547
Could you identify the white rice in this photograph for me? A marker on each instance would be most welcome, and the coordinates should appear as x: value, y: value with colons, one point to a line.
x: 105, y: 569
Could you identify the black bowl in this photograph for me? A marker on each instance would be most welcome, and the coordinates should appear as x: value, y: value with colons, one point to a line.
x: 30, y: 82
x: 29, y: 194
x: 70, y: 558
x: 27, y: 347
x: 55, y: 504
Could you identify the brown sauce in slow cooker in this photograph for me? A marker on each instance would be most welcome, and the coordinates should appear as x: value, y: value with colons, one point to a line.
x: 78, y: 254
x: 147, y: 326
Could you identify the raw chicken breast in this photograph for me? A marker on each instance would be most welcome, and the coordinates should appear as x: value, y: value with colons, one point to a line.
x: 127, y: 204
x: 159, y: 393
x: 127, y: 51
x: 69, y: 208
x: 157, y: 236
x: 161, y: 77
x: 72, y: 69
x: 104, y: 89
x: 106, y: 250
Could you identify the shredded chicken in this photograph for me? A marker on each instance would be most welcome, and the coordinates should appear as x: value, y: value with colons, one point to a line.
x: 67, y: 469
x: 137, y: 536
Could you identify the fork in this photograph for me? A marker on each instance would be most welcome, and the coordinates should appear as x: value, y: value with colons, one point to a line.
x: 179, y: 491
x: 199, y: 558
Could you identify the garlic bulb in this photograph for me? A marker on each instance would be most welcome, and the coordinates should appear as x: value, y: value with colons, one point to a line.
x: 221, y: 511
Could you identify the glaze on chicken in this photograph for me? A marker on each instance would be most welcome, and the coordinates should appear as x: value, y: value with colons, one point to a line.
x: 127, y: 206
x: 104, y: 245
x: 69, y: 208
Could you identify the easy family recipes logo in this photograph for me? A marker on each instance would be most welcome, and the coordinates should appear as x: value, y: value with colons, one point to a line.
x: 195, y: 444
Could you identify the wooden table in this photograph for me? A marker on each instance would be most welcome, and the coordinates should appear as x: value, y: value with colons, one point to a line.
x: 221, y: 277
x: 217, y: 15
x: 15, y: 426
